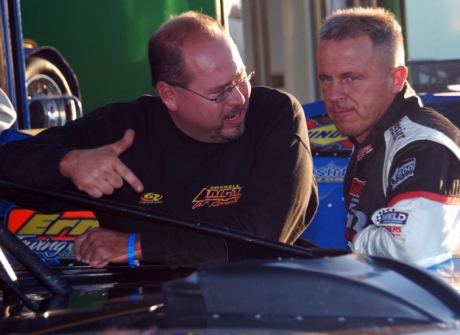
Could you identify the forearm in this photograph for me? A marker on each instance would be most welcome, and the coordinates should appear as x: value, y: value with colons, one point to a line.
x: 32, y: 163
x: 427, y: 237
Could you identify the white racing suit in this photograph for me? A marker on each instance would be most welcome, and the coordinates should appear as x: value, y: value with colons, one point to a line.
x: 402, y: 187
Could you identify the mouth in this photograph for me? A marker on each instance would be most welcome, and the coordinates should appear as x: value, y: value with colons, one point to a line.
x: 234, y: 116
x: 342, y: 112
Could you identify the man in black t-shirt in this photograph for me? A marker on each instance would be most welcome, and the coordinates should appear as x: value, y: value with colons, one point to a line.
x: 208, y: 149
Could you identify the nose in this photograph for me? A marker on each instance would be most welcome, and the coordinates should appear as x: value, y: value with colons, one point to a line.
x: 239, y: 94
x: 334, y: 92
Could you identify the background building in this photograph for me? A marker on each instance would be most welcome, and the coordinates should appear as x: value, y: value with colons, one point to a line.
x: 105, y: 41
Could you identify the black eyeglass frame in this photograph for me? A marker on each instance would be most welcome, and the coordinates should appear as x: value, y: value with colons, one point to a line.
x: 227, y: 92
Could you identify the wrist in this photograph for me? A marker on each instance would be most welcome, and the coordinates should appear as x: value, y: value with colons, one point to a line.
x: 138, y: 248
x: 132, y: 250
x: 65, y: 164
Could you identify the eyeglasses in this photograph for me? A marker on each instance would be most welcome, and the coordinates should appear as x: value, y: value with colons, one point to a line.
x: 242, y: 83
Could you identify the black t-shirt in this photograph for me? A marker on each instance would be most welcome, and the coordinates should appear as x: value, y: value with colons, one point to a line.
x: 261, y: 184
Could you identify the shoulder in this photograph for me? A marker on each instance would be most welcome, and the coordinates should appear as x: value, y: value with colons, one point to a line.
x: 139, y: 108
x: 263, y: 93
x: 113, y: 119
x: 143, y: 102
x: 425, y: 135
x: 271, y: 102
x: 429, y: 118
x: 423, y: 124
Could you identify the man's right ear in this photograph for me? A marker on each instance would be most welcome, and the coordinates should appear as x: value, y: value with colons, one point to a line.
x: 167, y: 94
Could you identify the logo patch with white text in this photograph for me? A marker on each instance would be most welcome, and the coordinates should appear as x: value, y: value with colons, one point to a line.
x: 404, y: 171
x: 391, y: 219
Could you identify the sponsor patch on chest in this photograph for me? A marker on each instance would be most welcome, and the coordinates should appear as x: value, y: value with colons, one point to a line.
x: 404, y: 171
x: 150, y: 198
x: 363, y: 152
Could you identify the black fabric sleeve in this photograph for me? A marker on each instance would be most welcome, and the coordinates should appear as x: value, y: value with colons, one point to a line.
x: 34, y: 161
x: 281, y: 197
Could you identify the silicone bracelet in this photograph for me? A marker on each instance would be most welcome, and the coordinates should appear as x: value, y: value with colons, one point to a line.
x: 131, y: 241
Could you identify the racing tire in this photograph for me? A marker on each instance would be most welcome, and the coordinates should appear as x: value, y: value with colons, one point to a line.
x: 43, y: 78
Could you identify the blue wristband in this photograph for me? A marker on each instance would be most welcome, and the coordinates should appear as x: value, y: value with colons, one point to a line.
x: 131, y: 241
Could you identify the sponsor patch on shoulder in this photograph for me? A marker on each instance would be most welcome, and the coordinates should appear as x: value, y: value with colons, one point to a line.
x: 404, y: 171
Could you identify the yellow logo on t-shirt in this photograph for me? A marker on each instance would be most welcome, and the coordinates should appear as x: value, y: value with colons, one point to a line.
x: 214, y: 196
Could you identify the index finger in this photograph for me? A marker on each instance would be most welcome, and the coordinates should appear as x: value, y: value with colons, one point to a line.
x: 129, y: 177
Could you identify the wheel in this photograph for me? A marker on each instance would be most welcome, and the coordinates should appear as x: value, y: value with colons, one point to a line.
x: 43, y: 78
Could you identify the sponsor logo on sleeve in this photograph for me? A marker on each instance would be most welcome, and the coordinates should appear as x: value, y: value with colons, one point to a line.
x: 404, y: 171
x: 394, y: 221
x: 357, y: 187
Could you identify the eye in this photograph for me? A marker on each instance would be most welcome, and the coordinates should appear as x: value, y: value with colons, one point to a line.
x: 217, y: 92
x: 220, y: 92
x: 229, y: 87
x: 325, y: 79
x: 352, y: 78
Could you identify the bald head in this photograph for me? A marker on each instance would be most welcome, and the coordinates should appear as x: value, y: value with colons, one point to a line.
x: 166, y: 46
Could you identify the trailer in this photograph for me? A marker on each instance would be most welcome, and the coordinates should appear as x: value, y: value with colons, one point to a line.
x: 39, y: 82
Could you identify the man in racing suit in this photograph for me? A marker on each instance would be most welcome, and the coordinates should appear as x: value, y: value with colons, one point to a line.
x: 402, y: 186
x: 402, y: 183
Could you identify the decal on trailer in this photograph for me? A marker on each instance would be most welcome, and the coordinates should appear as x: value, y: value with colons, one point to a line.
x: 330, y: 173
x: 326, y: 135
x: 51, y: 236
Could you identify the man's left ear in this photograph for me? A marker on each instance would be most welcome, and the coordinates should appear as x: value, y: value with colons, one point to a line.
x: 399, y: 76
